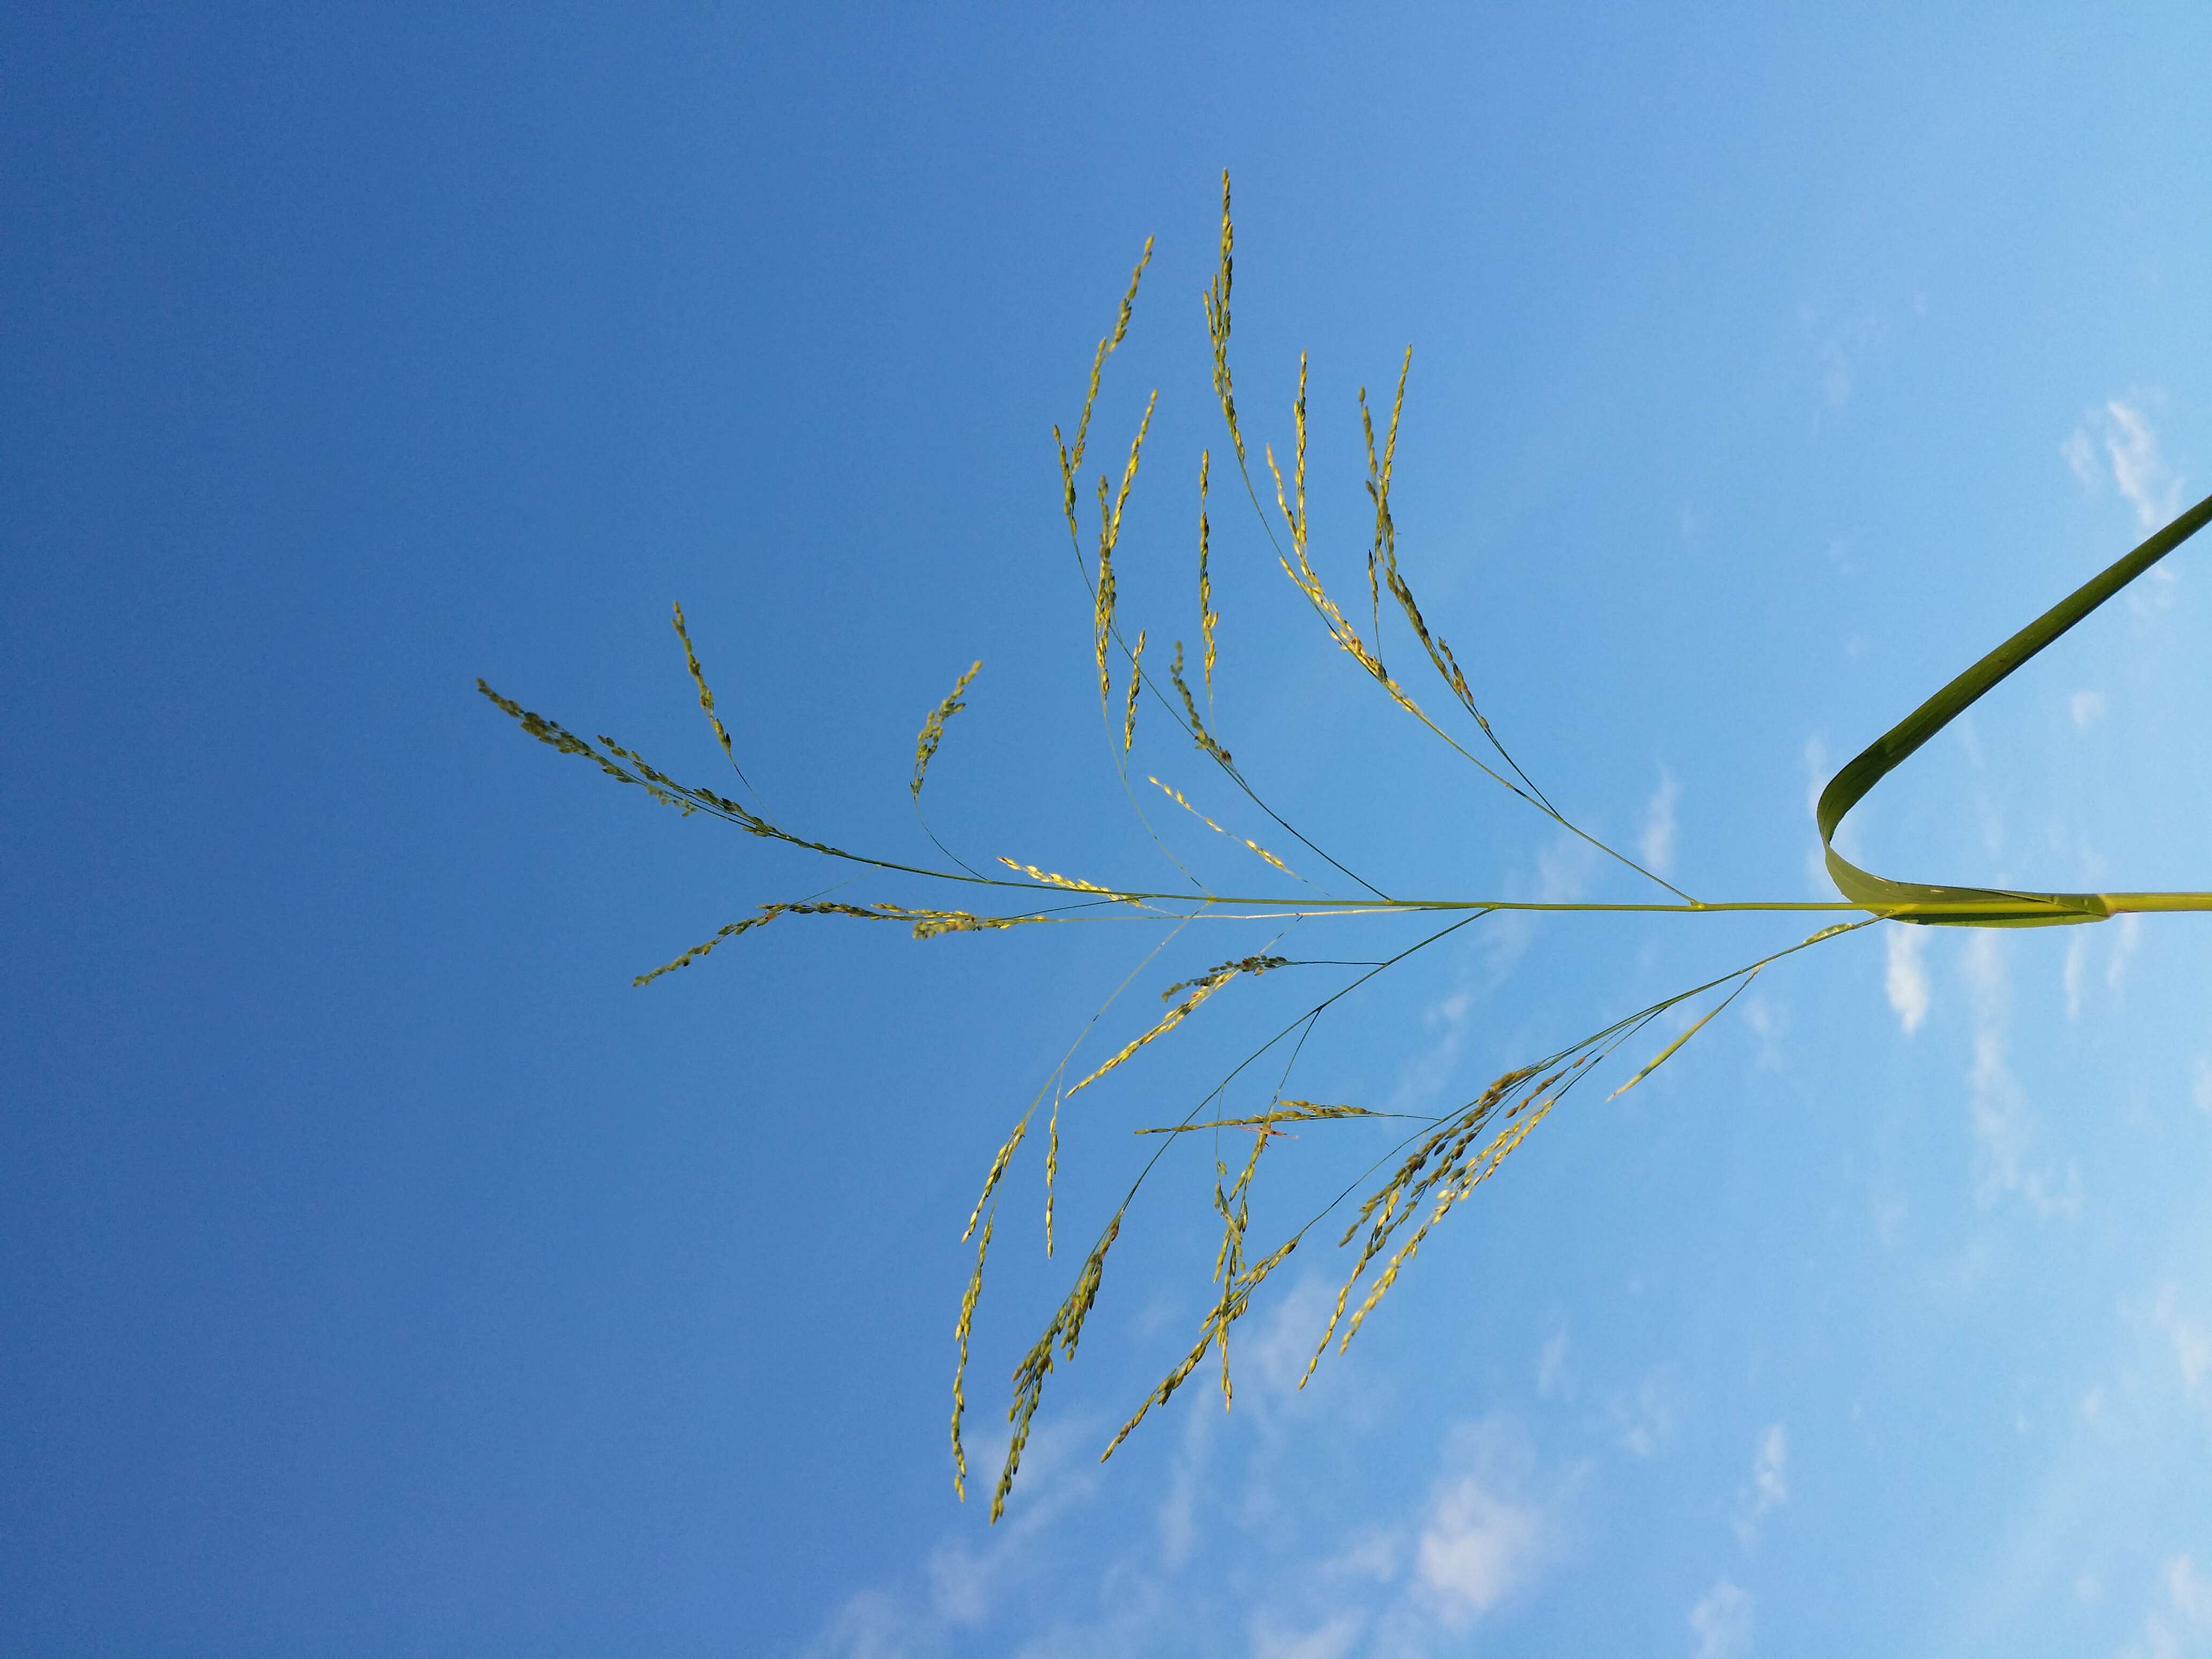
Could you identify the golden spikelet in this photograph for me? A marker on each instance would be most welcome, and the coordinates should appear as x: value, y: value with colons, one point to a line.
x: 998, y: 1169
x: 960, y: 1371
x: 935, y: 924
x: 1216, y: 323
x: 1454, y: 1167
x: 933, y: 729
x: 1667, y: 1053
x: 706, y: 699
x: 1175, y: 1017
x: 1254, y: 964
x: 1136, y: 683
x: 1052, y: 878
x: 1109, y: 536
x: 1175, y: 795
x: 768, y: 912
x: 928, y: 924
x: 1289, y: 1111
x: 1071, y: 460
x: 1051, y: 1169
x: 1065, y: 1331
x: 1235, y: 1303
x: 1203, y: 738
x: 1206, y: 615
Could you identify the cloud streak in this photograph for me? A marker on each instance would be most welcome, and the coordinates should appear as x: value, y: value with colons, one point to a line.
x: 1720, y: 1621
x: 2117, y: 441
x: 1657, y: 844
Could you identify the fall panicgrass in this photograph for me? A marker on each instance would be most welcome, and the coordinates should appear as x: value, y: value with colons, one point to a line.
x: 1439, y: 1165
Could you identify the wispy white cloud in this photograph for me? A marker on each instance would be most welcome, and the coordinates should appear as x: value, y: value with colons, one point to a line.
x: 2123, y: 432
x: 1422, y: 1076
x: 2004, y: 1127
x: 2137, y: 467
x: 2200, y: 1087
x: 1840, y: 350
x: 966, y: 1583
x: 2190, y: 1591
x: 1490, y: 1532
x: 1768, y: 1021
x: 2077, y: 965
x: 1657, y: 844
x: 2126, y: 935
x: 2178, y: 1620
x: 1889, y: 1216
x: 1768, y: 1489
x: 1564, y: 868
x: 2080, y: 453
x: 1645, y: 1422
x: 2191, y: 1338
x: 1904, y: 980
x: 1331, y: 1639
x: 2086, y: 707
x: 1552, y: 1363
x: 1178, y: 1512
x: 1721, y: 1622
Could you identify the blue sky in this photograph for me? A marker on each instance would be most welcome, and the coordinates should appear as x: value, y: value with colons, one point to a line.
x: 382, y: 1274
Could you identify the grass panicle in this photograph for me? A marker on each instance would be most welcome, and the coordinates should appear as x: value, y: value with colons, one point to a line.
x: 1439, y: 1165
x: 1065, y: 1331
x: 1292, y: 1111
x: 1052, y: 878
x: 927, y: 924
x: 1174, y: 1016
x: 932, y: 728
x: 1251, y: 965
x: 1177, y: 796
x: 1136, y: 685
x: 1109, y: 536
x: 1071, y: 456
x: 1203, y: 738
x: 1217, y: 322
x: 1207, y: 617
x: 707, y: 703
x: 960, y: 1332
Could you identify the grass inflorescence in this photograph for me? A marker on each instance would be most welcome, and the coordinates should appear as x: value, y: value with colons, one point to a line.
x: 1403, y: 1197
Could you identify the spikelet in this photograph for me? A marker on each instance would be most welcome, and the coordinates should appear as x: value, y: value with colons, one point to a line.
x: 1448, y: 1165
x: 1206, y: 615
x: 935, y: 924
x: 1205, y: 739
x: 1667, y: 1053
x: 1051, y: 1168
x: 1288, y: 1111
x: 928, y: 924
x: 1136, y: 682
x: 998, y: 1169
x: 1102, y: 611
x: 1071, y: 460
x: 960, y: 1371
x: 707, y: 700
x: 1255, y: 964
x: 933, y: 729
x: 1382, y: 1212
x: 1065, y: 1331
x: 1175, y: 1017
x: 557, y: 736
x: 1052, y: 878
x: 1386, y: 545
x: 1309, y: 581
x: 768, y: 912
x: 1109, y: 536
x: 1234, y: 1304
x: 1216, y: 323
x: 1175, y: 795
